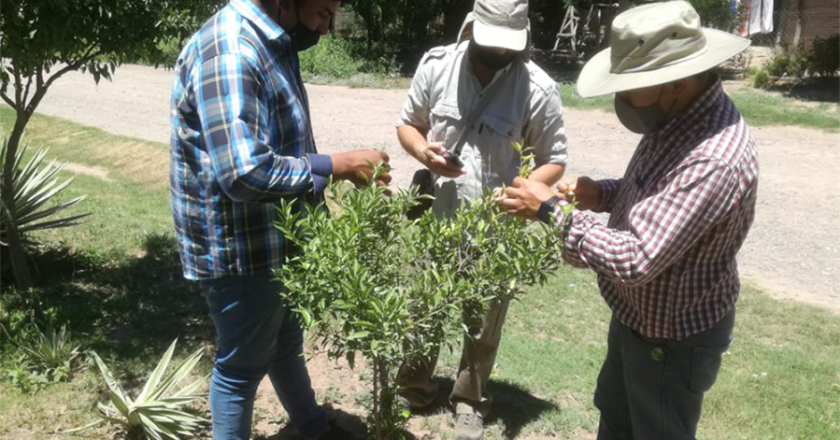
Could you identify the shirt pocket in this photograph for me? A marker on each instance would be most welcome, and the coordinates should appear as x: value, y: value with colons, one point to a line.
x: 446, y: 124
x: 495, y: 137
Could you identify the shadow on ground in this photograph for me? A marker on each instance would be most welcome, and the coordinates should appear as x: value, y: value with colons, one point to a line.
x: 128, y: 308
x: 821, y: 90
x: 513, y: 406
x: 350, y: 422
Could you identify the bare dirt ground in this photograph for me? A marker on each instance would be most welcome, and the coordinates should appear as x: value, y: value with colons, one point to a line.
x: 793, y: 249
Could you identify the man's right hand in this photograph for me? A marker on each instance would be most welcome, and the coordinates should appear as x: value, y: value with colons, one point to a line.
x: 438, y: 161
x: 355, y: 166
x: 586, y: 192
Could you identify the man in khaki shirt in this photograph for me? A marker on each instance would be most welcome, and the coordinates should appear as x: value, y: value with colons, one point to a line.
x: 486, y: 93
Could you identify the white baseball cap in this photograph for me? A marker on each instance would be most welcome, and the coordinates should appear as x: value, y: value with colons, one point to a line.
x: 501, y: 23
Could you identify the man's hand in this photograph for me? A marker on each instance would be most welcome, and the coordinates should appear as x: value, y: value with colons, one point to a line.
x: 524, y: 198
x: 583, y: 190
x: 438, y: 161
x: 355, y: 166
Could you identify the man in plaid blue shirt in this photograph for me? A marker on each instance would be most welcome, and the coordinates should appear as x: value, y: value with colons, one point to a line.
x: 241, y: 141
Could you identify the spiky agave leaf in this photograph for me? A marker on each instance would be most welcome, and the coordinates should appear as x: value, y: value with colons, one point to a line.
x: 35, y: 187
x: 161, y: 417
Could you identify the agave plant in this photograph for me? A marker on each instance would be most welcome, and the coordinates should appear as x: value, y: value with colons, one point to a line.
x: 35, y: 187
x: 52, y: 352
x: 156, y: 413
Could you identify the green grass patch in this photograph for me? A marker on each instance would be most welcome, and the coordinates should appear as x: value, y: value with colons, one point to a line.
x: 360, y: 81
x: 117, y: 280
x: 779, y: 379
x: 571, y: 99
x: 760, y: 109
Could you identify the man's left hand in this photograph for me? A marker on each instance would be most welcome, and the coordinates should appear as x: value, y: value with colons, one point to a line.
x: 524, y: 197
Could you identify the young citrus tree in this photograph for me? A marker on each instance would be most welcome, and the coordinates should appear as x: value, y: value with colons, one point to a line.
x: 42, y: 40
x: 368, y: 280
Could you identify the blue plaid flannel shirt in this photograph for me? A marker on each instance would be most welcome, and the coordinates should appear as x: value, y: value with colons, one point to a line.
x: 241, y: 141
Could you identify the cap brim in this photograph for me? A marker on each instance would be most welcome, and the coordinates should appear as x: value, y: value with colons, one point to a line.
x: 596, y: 80
x: 497, y: 36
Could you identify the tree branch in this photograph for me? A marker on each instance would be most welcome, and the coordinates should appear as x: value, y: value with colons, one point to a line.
x: 17, y: 89
x: 41, y: 87
x: 26, y: 92
x: 7, y: 100
x: 72, y: 66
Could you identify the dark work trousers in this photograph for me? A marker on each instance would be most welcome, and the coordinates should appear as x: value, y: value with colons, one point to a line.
x: 652, y: 389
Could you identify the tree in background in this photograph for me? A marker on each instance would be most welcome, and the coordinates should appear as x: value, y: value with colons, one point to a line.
x: 398, y: 32
x: 42, y: 40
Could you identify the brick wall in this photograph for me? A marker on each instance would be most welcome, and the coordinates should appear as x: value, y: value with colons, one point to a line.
x: 802, y: 20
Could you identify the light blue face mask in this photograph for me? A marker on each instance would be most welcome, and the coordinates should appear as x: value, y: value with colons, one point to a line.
x: 641, y: 120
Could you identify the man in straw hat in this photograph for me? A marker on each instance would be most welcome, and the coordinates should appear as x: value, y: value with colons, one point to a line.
x: 666, y: 259
x: 468, y: 103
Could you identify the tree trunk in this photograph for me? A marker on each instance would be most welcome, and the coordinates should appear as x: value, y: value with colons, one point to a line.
x: 17, y: 253
x: 377, y: 400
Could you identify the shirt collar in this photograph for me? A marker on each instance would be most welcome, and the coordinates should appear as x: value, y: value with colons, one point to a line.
x: 696, y: 111
x: 262, y: 22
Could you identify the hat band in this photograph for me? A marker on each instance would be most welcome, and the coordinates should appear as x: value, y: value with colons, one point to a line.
x: 668, y: 53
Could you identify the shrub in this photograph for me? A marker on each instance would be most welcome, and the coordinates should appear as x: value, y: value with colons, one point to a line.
x: 330, y: 57
x: 778, y: 66
x: 369, y: 281
x: 794, y: 65
x: 762, y: 80
x: 824, y: 59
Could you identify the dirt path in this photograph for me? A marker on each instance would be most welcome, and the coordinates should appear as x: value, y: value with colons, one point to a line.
x: 793, y: 250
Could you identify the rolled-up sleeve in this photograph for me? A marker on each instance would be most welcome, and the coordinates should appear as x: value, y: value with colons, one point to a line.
x: 546, y: 131
x: 233, y: 109
x: 662, y: 227
x: 415, y: 111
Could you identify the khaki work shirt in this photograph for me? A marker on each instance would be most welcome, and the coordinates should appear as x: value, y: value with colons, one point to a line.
x: 521, y: 104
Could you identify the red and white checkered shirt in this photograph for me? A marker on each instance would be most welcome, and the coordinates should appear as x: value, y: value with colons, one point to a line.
x: 666, y: 260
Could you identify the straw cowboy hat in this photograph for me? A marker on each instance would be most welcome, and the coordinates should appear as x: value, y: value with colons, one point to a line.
x: 656, y: 44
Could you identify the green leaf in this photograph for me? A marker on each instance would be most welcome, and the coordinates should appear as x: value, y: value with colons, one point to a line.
x: 357, y: 335
x: 157, y: 374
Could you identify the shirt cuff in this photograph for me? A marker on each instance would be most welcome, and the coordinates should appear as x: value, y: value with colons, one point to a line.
x: 320, y: 164
x: 319, y: 183
x: 550, y: 211
x: 574, y: 240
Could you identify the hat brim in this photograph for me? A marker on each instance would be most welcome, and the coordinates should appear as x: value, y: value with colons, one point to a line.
x: 498, y: 36
x: 597, y: 80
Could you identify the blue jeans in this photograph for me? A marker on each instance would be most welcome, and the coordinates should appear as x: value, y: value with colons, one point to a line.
x: 652, y: 389
x: 257, y: 334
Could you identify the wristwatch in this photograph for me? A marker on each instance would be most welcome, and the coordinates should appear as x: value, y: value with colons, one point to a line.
x: 547, y: 209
